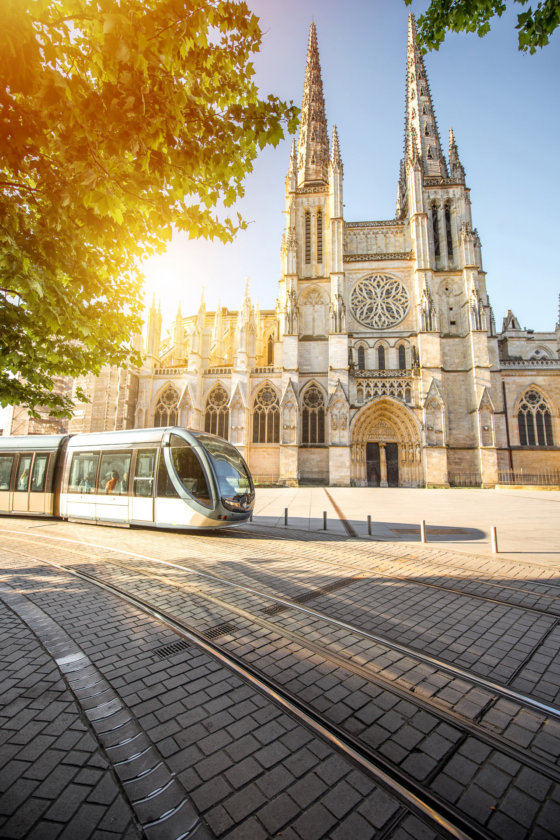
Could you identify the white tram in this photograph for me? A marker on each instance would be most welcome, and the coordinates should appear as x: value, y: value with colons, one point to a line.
x: 162, y: 478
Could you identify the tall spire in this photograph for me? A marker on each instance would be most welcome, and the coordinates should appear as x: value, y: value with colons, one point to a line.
x: 313, y: 147
x: 421, y: 131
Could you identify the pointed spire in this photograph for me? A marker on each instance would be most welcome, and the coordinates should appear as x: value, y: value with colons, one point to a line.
x: 293, y: 160
x: 179, y: 315
x: 202, y: 305
x: 455, y: 166
x: 419, y: 113
x: 336, y: 160
x: 313, y: 147
x: 245, y: 311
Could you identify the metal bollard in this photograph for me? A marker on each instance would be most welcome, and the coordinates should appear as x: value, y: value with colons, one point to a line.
x: 324, y: 520
x: 285, y: 516
x: 494, y: 533
x: 423, y: 531
x: 369, y: 525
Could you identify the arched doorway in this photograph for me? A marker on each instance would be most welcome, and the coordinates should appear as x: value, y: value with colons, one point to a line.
x: 386, y: 450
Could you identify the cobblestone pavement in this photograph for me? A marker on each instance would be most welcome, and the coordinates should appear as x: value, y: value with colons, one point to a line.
x: 114, y: 726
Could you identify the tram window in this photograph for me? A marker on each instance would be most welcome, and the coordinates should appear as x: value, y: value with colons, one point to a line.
x: 165, y: 489
x: 230, y: 469
x: 113, y: 473
x: 189, y: 469
x: 39, y: 473
x: 6, y: 464
x: 144, y: 472
x: 83, y: 472
x: 22, y: 478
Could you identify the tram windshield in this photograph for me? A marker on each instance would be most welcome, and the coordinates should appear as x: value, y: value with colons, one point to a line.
x: 231, y: 471
x: 189, y: 472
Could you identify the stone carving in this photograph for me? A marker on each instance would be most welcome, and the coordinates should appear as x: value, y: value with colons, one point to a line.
x: 382, y: 431
x: 339, y: 422
x: 291, y: 324
x: 338, y: 314
x: 289, y: 414
x: 379, y: 301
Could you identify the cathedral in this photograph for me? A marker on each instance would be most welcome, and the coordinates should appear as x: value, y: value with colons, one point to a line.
x: 381, y: 364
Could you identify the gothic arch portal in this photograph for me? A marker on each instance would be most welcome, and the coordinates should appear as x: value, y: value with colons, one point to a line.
x: 387, y: 431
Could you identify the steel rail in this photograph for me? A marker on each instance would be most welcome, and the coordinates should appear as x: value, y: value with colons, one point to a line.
x: 454, y: 670
x: 419, y: 799
x: 496, y: 741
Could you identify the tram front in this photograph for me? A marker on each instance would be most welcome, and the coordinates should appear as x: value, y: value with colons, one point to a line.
x: 210, y: 475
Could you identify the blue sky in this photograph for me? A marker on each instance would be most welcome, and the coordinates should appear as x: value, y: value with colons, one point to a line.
x: 502, y: 105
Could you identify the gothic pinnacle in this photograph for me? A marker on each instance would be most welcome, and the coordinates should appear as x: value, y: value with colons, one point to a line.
x: 336, y: 160
x: 313, y: 146
x: 293, y: 159
x: 455, y: 166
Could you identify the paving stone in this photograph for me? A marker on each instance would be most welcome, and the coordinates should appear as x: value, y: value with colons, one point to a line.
x: 533, y: 784
x: 210, y: 793
x: 245, y: 802
x: 22, y: 823
x: 314, y: 823
x: 378, y: 808
x: 520, y: 807
x: 277, y: 813
x: 503, y: 826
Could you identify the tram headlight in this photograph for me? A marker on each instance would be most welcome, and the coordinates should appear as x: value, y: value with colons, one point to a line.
x: 238, y: 503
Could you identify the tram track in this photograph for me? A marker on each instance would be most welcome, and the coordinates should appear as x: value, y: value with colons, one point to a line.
x: 424, y: 789
x: 392, y: 686
x: 429, y: 807
x: 280, y: 603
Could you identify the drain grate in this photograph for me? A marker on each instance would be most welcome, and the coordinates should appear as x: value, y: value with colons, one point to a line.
x: 219, y: 630
x: 309, y: 596
x: 169, y: 650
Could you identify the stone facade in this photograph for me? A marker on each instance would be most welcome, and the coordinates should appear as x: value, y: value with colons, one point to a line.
x: 381, y: 363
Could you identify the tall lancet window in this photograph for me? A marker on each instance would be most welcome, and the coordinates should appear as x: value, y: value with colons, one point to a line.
x: 381, y: 358
x: 535, y: 421
x: 216, y: 416
x: 270, y: 350
x: 266, y: 416
x: 313, y: 416
x: 402, y: 357
x: 319, y: 236
x: 166, y: 409
x: 308, y: 237
x: 361, y: 358
x: 435, y: 229
x: 448, y: 230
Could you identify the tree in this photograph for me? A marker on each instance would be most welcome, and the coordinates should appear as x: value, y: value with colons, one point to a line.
x: 120, y: 121
x: 535, y: 27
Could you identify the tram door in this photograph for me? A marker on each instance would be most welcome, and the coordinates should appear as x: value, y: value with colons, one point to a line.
x: 6, y: 466
x: 29, y: 494
x: 373, y: 468
x: 142, y: 491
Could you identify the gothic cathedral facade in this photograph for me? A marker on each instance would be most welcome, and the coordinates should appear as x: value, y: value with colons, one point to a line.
x: 381, y: 364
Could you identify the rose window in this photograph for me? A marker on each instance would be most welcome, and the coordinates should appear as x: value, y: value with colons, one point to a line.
x: 379, y: 301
